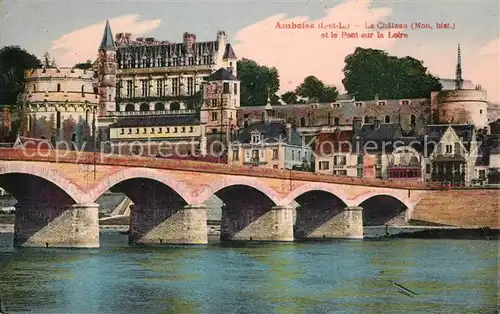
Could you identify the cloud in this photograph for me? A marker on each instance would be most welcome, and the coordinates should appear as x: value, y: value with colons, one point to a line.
x: 297, y: 53
x: 82, y: 44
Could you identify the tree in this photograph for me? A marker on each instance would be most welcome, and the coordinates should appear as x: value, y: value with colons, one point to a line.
x: 84, y: 65
x: 289, y: 98
x: 315, y: 90
x: 14, y: 61
x: 258, y: 82
x: 370, y: 72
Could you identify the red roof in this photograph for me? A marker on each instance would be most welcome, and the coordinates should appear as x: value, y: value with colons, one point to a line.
x: 328, y: 143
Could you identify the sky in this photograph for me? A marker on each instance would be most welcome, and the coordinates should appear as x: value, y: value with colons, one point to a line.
x: 71, y: 30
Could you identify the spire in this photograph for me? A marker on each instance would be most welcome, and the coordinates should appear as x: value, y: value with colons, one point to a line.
x: 107, y: 42
x: 458, y: 75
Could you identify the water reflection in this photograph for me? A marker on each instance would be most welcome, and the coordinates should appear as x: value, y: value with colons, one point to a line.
x: 341, y: 276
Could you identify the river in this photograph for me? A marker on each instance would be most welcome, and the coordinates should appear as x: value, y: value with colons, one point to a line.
x: 347, y: 276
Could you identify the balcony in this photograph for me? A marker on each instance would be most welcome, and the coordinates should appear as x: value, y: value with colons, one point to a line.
x: 152, y: 113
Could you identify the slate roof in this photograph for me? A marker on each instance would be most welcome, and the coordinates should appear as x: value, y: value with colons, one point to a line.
x: 156, y: 121
x: 107, y: 43
x: 271, y: 131
x: 221, y: 74
x: 229, y: 52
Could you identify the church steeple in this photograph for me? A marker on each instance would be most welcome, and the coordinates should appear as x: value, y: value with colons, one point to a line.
x: 107, y: 42
x: 458, y: 74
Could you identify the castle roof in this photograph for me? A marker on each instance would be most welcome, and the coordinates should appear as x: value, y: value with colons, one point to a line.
x: 328, y: 143
x: 107, y: 42
x: 229, y: 52
x: 221, y: 74
x: 272, y: 131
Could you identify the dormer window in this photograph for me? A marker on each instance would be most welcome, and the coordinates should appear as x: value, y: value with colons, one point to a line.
x: 358, y: 104
x: 255, y: 137
x: 314, y: 106
x: 405, y: 102
x: 381, y: 103
x: 335, y: 105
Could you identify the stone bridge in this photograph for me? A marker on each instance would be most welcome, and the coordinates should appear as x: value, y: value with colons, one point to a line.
x: 57, y: 191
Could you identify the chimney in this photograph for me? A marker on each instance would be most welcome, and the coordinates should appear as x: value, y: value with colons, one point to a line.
x: 376, y: 97
x: 189, y: 40
x: 376, y: 124
x: 356, y: 124
x: 289, y: 132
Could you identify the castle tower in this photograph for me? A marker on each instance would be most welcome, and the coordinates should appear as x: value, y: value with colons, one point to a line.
x: 221, y: 99
x: 458, y: 73
x: 106, y: 69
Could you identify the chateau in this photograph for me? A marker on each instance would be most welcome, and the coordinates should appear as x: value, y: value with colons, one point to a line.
x: 150, y: 93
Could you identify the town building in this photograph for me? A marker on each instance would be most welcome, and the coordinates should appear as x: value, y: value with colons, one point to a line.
x: 270, y: 144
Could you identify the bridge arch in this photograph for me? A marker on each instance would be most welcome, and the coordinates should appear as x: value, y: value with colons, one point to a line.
x: 228, y: 181
x: 141, y: 173
x: 48, y: 175
x: 305, y: 188
x: 384, y: 208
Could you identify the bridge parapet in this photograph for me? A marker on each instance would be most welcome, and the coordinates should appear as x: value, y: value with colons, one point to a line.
x: 79, y: 157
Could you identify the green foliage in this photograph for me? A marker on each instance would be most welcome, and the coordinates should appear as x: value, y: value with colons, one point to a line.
x: 84, y: 65
x: 257, y: 82
x: 316, y: 91
x: 289, y: 98
x: 370, y: 72
x: 13, y: 62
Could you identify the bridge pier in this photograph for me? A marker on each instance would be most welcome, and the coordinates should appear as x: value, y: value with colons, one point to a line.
x: 333, y: 223
x: 56, y: 225
x: 257, y: 224
x: 172, y: 225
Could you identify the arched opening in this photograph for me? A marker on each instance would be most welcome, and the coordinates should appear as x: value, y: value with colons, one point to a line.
x: 144, y: 107
x: 35, y: 205
x: 58, y: 87
x: 413, y: 120
x: 87, y: 116
x: 159, y: 106
x: 83, y: 90
x: 316, y: 213
x: 129, y: 107
x: 151, y: 208
x: 58, y: 120
x: 383, y: 210
x: 175, y: 106
x: 244, y: 211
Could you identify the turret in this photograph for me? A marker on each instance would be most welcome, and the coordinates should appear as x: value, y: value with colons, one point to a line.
x: 107, y: 72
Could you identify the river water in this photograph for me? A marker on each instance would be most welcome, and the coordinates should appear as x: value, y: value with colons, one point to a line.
x: 348, y: 276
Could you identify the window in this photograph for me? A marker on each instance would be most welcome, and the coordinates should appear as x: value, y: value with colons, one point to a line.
x: 339, y: 160
x: 449, y: 149
x: 144, y: 131
x: 136, y: 131
x: 214, y: 116
x: 130, y: 131
x: 255, y: 138
x: 427, y: 168
x: 159, y: 130
x: 236, y: 154
x: 167, y: 130
x: 367, y: 119
x: 324, y: 165
x: 405, y: 102
x: 159, y: 87
x: 302, y: 121
x: 34, y: 88
x: 122, y: 131
x: 481, y: 111
x: 214, y: 131
x: 144, y: 107
x: 413, y: 119
x: 482, y: 174
x: 275, y: 154
x: 293, y: 155
x: 214, y: 103
x: 191, y: 129
x: 336, y: 121
x: 58, y: 120
x: 225, y: 89
x: 129, y: 89
x: 83, y: 90
x: 190, y: 84
x: 175, y: 129
x: 58, y: 87
x: 175, y: 86
x: 387, y: 119
x: 255, y: 155
x: 183, y: 129
x: 235, y: 88
x: 144, y: 88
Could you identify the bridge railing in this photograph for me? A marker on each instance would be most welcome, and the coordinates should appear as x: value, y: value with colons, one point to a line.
x: 79, y: 157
